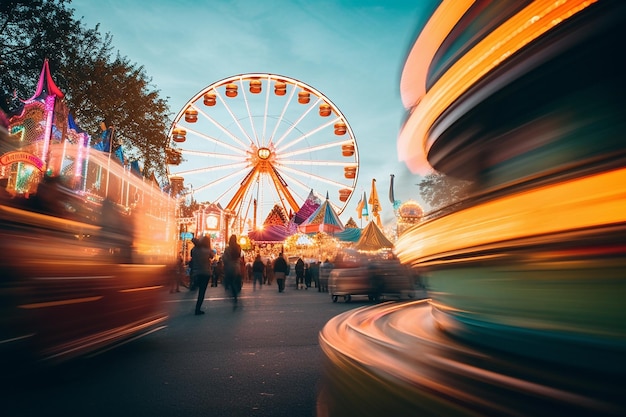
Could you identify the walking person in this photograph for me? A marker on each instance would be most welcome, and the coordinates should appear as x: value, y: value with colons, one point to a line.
x: 307, y: 276
x: 269, y: 273
x: 202, y: 269
x: 280, y: 271
x: 325, y: 268
x: 232, y: 267
x: 218, y: 272
x: 299, y: 274
x: 244, y: 268
x: 249, y: 272
x: 258, y: 271
x: 314, y: 269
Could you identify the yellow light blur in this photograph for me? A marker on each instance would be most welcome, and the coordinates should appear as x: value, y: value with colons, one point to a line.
x: 592, y: 201
x: 529, y: 24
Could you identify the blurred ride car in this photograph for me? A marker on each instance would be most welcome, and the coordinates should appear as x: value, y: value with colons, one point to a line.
x: 378, y: 279
x: 81, y: 273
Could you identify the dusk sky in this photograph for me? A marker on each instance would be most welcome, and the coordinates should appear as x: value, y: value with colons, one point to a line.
x: 351, y: 51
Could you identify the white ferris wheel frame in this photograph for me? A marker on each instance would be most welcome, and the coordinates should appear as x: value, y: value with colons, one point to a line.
x: 244, y: 139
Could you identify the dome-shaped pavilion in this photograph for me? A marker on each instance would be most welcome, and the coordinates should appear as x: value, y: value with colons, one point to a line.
x: 410, y: 213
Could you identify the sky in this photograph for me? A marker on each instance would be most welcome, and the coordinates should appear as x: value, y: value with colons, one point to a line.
x: 352, y: 51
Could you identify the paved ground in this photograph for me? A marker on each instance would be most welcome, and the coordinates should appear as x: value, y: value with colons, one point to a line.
x: 261, y: 358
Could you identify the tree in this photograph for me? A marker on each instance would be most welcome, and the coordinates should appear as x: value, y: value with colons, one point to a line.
x: 438, y: 190
x: 188, y: 209
x: 99, y: 85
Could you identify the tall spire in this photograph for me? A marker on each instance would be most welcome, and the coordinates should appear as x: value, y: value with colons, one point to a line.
x: 46, y: 86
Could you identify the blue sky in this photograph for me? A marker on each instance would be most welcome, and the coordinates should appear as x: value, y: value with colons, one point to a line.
x: 351, y: 51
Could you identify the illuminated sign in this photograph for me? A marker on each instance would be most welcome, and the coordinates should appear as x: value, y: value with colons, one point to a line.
x: 21, y: 156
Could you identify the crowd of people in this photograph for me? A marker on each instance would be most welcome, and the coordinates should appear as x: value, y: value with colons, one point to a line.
x: 232, y: 270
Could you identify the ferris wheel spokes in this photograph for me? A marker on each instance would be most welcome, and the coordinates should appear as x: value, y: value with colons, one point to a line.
x: 219, y: 181
x: 236, y: 166
x: 312, y: 176
x: 216, y: 141
x: 294, y: 124
x: 290, y: 162
x: 250, y: 118
x: 236, y: 120
x: 315, y: 148
x: 264, y: 139
x: 282, y: 115
x: 211, y: 154
x: 306, y: 135
x: 257, y: 141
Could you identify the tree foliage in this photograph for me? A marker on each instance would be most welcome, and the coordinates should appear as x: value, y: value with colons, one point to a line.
x: 99, y: 84
x: 438, y: 190
x: 189, y: 208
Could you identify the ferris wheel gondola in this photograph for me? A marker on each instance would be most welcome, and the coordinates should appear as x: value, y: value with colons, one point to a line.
x: 253, y: 141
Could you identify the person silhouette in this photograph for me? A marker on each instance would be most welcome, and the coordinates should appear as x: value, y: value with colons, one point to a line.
x: 232, y: 267
x: 280, y: 271
x: 202, y: 269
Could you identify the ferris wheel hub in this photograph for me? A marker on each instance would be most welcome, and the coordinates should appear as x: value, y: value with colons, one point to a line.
x: 264, y: 153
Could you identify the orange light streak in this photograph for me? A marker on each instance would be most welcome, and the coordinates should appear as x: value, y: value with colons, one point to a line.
x: 529, y: 24
x: 593, y: 201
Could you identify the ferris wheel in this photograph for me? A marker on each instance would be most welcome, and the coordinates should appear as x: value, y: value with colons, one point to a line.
x: 253, y: 141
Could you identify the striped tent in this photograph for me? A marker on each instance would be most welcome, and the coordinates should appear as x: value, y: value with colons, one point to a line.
x: 324, y: 219
x: 372, y: 239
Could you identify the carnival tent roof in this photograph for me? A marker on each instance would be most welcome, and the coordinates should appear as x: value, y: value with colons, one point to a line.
x: 372, y: 239
x: 272, y: 233
x: 309, y: 206
x: 351, y: 224
x: 349, y: 234
x: 46, y: 85
x: 324, y: 219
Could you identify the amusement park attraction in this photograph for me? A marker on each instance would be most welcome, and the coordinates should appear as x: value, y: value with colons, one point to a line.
x: 526, y: 275
x: 87, y: 243
x: 250, y: 143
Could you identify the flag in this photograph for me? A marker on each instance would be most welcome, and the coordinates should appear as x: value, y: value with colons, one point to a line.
x: 392, y: 198
x: 104, y: 144
x: 135, y: 168
x: 359, y: 207
x: 119, y: 154
x: 72, y: 124
x: 375, y: 203
x: 365, y: 212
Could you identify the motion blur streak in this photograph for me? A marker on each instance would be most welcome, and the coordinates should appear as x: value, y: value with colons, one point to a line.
x: 82, y: 270
x: 413, y: 368
x: 595, y: 201
x: 60, y: 303
x: 523, y: 28
x: 154, y: 287
x: 525, y: 270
